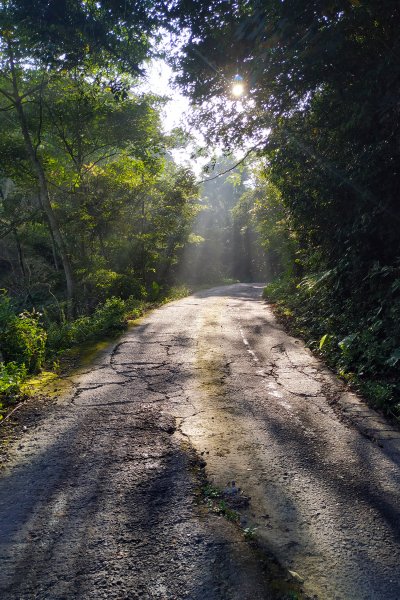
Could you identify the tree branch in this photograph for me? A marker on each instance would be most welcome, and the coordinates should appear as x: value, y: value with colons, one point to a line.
x: 7, y: 95
x: 252, y: 149
x: 40, y: 125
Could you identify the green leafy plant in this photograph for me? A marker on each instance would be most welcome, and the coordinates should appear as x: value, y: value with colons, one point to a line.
x: 223, y: 509
x: 249, y: 532
x: 211, y: 492
x: 23, y: 341
x: 110, y: 316
x: 107, y: 319
x: 11, y: 377
x: 155, y: 291
x: 322, y: 341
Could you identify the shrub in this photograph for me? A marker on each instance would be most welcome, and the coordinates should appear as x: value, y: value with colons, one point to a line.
x: 11, y: 377
x: 23, y: 341
x: 155, y: 291
x: 106, y: 319
x: 129, y: 286
x: 134, y: 307
x: 104, y: 283
x: 59, y: 336
x: 110, y: 316
x: 176, y: 293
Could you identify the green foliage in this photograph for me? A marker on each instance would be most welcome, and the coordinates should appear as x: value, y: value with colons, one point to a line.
x: 155, y: 291
x: 262, y: 209
x: 222, y: 508
x: 214, y: 499
x: 70, y: 34
x: 120, y: 209
x: 323, y: 340
x: 11, y: 377
x: 279, y: 289
x: 100, y: 284
x: 224, y: 243
x: 211, y: 492
x: 107, y: 319
x: 176, y: 292
x: 23, y: 341
x: 249, y: 532
x: 382, y: 395
x: 110, y: 316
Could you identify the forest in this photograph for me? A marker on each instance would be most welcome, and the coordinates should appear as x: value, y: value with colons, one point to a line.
x: 97, y: 218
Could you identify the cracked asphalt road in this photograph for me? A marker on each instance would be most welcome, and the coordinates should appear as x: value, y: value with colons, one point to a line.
x: 98, y: 497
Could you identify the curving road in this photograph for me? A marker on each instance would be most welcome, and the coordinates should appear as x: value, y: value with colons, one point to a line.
x: 98, y: 497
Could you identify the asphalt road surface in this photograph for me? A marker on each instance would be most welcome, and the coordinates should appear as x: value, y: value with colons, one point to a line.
x: 100, y: 495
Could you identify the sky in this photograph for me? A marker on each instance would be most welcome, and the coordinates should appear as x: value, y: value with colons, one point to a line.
x: 159, y: 80
x: 159, y: 76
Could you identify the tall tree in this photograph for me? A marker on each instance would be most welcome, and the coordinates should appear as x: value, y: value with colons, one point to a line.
x: 39, y: 40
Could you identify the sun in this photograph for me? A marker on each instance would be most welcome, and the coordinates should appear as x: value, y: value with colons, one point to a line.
x: 238, y: 89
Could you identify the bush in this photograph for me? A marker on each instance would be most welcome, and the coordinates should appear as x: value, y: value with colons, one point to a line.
x: 110, y: 316
x: 104, y: 283
x: 23, y: 341
x: 155, y: 291
x: 107, y: 318
x: 11, y: 377
x: 176, y: 293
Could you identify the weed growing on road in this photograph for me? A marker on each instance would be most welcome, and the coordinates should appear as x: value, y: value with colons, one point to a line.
x: 223, y: 509
x: 216, y: 502
x: 249, y: 532
x: 209, y: 492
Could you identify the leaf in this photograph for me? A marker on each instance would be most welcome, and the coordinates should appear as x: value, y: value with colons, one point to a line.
x: 322, y: 341
x: 394, y: 359
x: 396, y: 285
x: 346, y: 342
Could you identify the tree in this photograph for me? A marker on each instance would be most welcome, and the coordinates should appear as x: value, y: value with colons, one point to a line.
x: 40, y: 40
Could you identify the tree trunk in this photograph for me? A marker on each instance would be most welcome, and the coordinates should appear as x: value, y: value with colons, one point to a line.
x: 43, y: 189
x: 22, y: 266
x: 54, y: 251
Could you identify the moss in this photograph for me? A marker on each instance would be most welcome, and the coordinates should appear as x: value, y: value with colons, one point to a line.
x: 38, y: 383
